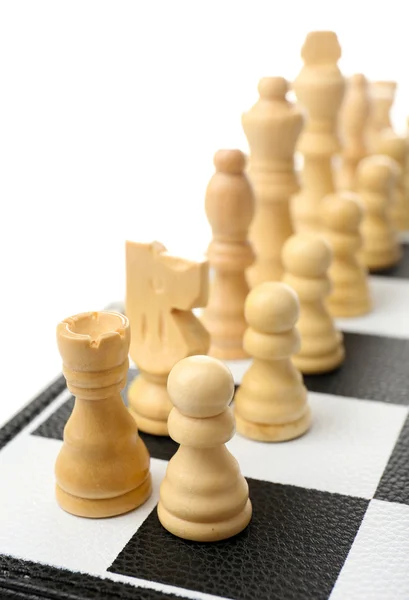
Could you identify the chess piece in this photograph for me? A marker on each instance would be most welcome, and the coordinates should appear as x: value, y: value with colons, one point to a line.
x: 306, y: 259
x: 161, y: 292
x: 382, y: 96
x: 229, y: 208
x: 203, y: 496
x: 272, y: 127
x: 377, y: 177
x: 406, y: 169
x: 319, y: 88
x: 102, y: 469
x: 394, y: 146
x: 271, y: 402
x: 341, y: 217
x: 354, y: 114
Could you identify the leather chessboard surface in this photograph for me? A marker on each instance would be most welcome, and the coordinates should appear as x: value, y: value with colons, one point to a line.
x: 331, y: 509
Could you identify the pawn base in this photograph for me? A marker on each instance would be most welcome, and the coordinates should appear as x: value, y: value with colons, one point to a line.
x: 383, y: 263
x: 205, y: 532
x: 150, y: 405
x: 104, y: 507
x: 151, y: 426
x: 315, y: 365
x: 341, y: 310
x: 283, y: 432
x: 228, y: 353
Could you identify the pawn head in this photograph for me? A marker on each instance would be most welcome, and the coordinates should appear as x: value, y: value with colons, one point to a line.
x: 306, y: 255
x: 377, y: 173
x: 272, y: 88
x: 230, y: 161
x: 272, y: 307
x: 358, y: 81
x: 341, y: 212
x: 391, y: 144
x: 200, y: 386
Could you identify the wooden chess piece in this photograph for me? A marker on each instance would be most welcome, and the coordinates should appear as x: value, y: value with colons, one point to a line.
x: 229, y: 209
x: 102, y: 469
x: 354, y: 114
x: 272, y: 127
x: 306, y: 260
x: 271, y: 402
x: 377, y: 177
x: 161, y: 292
x: 406, y: 169
x: 341, y: 218
x: 203, y: 496
x: 382, y: 96
x: 319, y: 88
x: 394, y: 146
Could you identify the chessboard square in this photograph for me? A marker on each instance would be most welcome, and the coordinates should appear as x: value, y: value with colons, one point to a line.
x: 375, y: 368
x: 394, y: 485
x: 294, y: 547
x: 34, y: 527
x: 389, y: 315
x: 53, y: 426
x: 238, y: 368
x: 28, y: 579
x: 378, y: 564
x: 345, y: 451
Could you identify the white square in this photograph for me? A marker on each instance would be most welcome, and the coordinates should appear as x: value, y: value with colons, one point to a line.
x: 377, y: 566
x: 345, y: 451
x: 389, y: 315
x: 34, y: 527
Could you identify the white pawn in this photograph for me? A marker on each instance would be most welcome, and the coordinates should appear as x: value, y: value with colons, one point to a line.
x: 203, y: 496
x: 271, y: 403
x: 394, y: 146
x: 306, y: 259
x: 341, y: 218
x: 377, y: 177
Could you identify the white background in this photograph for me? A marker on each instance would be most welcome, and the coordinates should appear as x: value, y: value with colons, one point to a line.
x: 110, y: 115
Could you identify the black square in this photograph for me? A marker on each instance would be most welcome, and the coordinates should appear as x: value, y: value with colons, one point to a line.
x: 294, y: 547
x: 375, y: 368
x: 394, y: 485
x: 31, y: 580
x: 53, y: 427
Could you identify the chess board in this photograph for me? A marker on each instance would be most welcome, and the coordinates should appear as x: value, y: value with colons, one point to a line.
x: 331, y: 509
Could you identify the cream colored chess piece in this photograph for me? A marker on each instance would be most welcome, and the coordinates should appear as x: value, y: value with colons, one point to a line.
x: 406, y: 169
x: 271, y: 402
x: 319, y: 88
x: 391, y: 144
x: 354, y: 115
x: 229, y: 208
x: 341, y: 218
x: 377, y: 177
x: 203, y: 496
x: 102, y: 469
x: 306, y: 259
x: 272, y: 127
x: 161, y: 292
x: 382, y: 96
